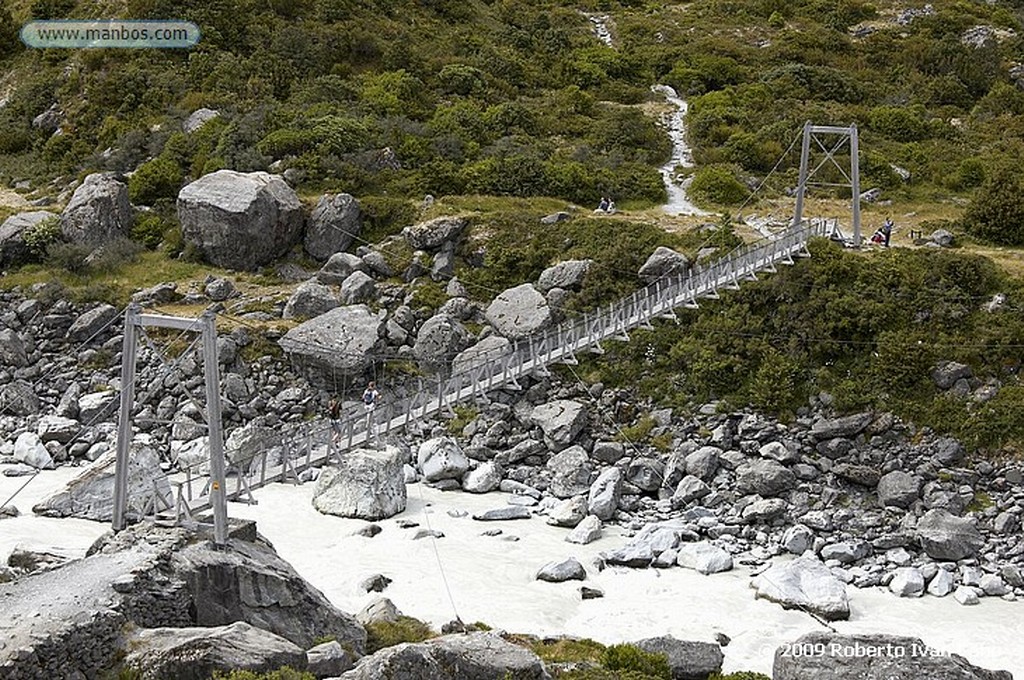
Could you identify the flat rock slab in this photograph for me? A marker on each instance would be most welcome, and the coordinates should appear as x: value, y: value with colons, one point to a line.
x: 804, y: 583
x: 511, y: 512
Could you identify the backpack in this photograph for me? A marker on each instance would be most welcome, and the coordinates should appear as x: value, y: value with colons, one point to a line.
x: 369, y: 396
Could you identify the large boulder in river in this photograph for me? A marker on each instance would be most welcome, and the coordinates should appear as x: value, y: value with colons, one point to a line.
x: 240, y: 220
x: 99, y: 211
x: 804, y: 583
x: 196, y: 653
x: 341, y: 342
x: 434, y: 233
x: 333, y: 226
x: 441, y: 458
x: 90, y: 495
x: 826, y: 654
x: 519, y: 311
x: 473, y: 656
x: 367, y: 484
x: 13, y: 249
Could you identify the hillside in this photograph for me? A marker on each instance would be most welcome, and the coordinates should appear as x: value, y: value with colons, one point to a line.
x: 507, y: 110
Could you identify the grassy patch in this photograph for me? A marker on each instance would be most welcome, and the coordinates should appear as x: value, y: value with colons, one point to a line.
x: 387, y: 634
x: 464, y: 415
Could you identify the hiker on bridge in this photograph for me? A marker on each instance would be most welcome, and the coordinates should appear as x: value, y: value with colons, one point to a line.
x: 334, y: 413
x: 371, y: 397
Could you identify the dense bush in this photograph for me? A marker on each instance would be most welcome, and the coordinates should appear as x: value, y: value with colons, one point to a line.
x: 154, y: 180
x: 997, y: 212
x: 40, y: 236
x: 630, y: 658
x: 716, y: 184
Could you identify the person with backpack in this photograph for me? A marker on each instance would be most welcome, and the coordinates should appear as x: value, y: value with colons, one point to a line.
x: 371, y: 397
x: 334, y: 413
x: 887, y: 230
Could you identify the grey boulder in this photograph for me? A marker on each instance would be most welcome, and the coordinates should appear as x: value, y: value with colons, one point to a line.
x: 804, y: 583
x: 240, y: 220
x: 441, y: 458
x: 488, y: 352
x: 90, y: 495
x: 344, y: 340
x: 473, y: 656
x: 439, y: 340
x: 604, y: 494
x: 28, y: 449
x: 567, y: 275
x: 704, y: 558
x: 764, y: 477
x: 98, y: 212
x: 367, y: 484
x: 519, y: 311
x: 434, y: 233
x: 687, y: 660
x: 310, y: 299
x: 92, y: 322
x: 339, y: 267
x: 898, y: 488
x: 196, y: 653
x: 663, y: 262
x: 570, y: 473
x: 13, y: 249
x: 559, y: 572
x: 334, y: 224
x: 865, y: 655
x: 561, y: 421
x: 947, y: 537
x: 587, y: 531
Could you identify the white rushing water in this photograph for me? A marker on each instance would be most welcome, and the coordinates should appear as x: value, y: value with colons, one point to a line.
x: 600, y: 23
x: 492, y: 579
x: 678, y: 201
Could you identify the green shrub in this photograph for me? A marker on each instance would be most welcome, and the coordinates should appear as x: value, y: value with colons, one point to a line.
x: 716, y: 184
x: 630, y: 658
x: 898, y: 123
x: 970, y: 173
x: 997, y: 212
x: 149, y: 229
x: 154, y: 180
x: 41, y: 236
x: 285, y: 673
x: 383, y: 634
x: 384, y: 216
x: 68, y: 256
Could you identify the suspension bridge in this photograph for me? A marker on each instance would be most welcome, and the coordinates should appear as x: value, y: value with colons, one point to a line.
x: 200, y: 488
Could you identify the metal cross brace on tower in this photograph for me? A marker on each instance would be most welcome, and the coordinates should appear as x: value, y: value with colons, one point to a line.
x: 134, y: 322
x: 814, y: 133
